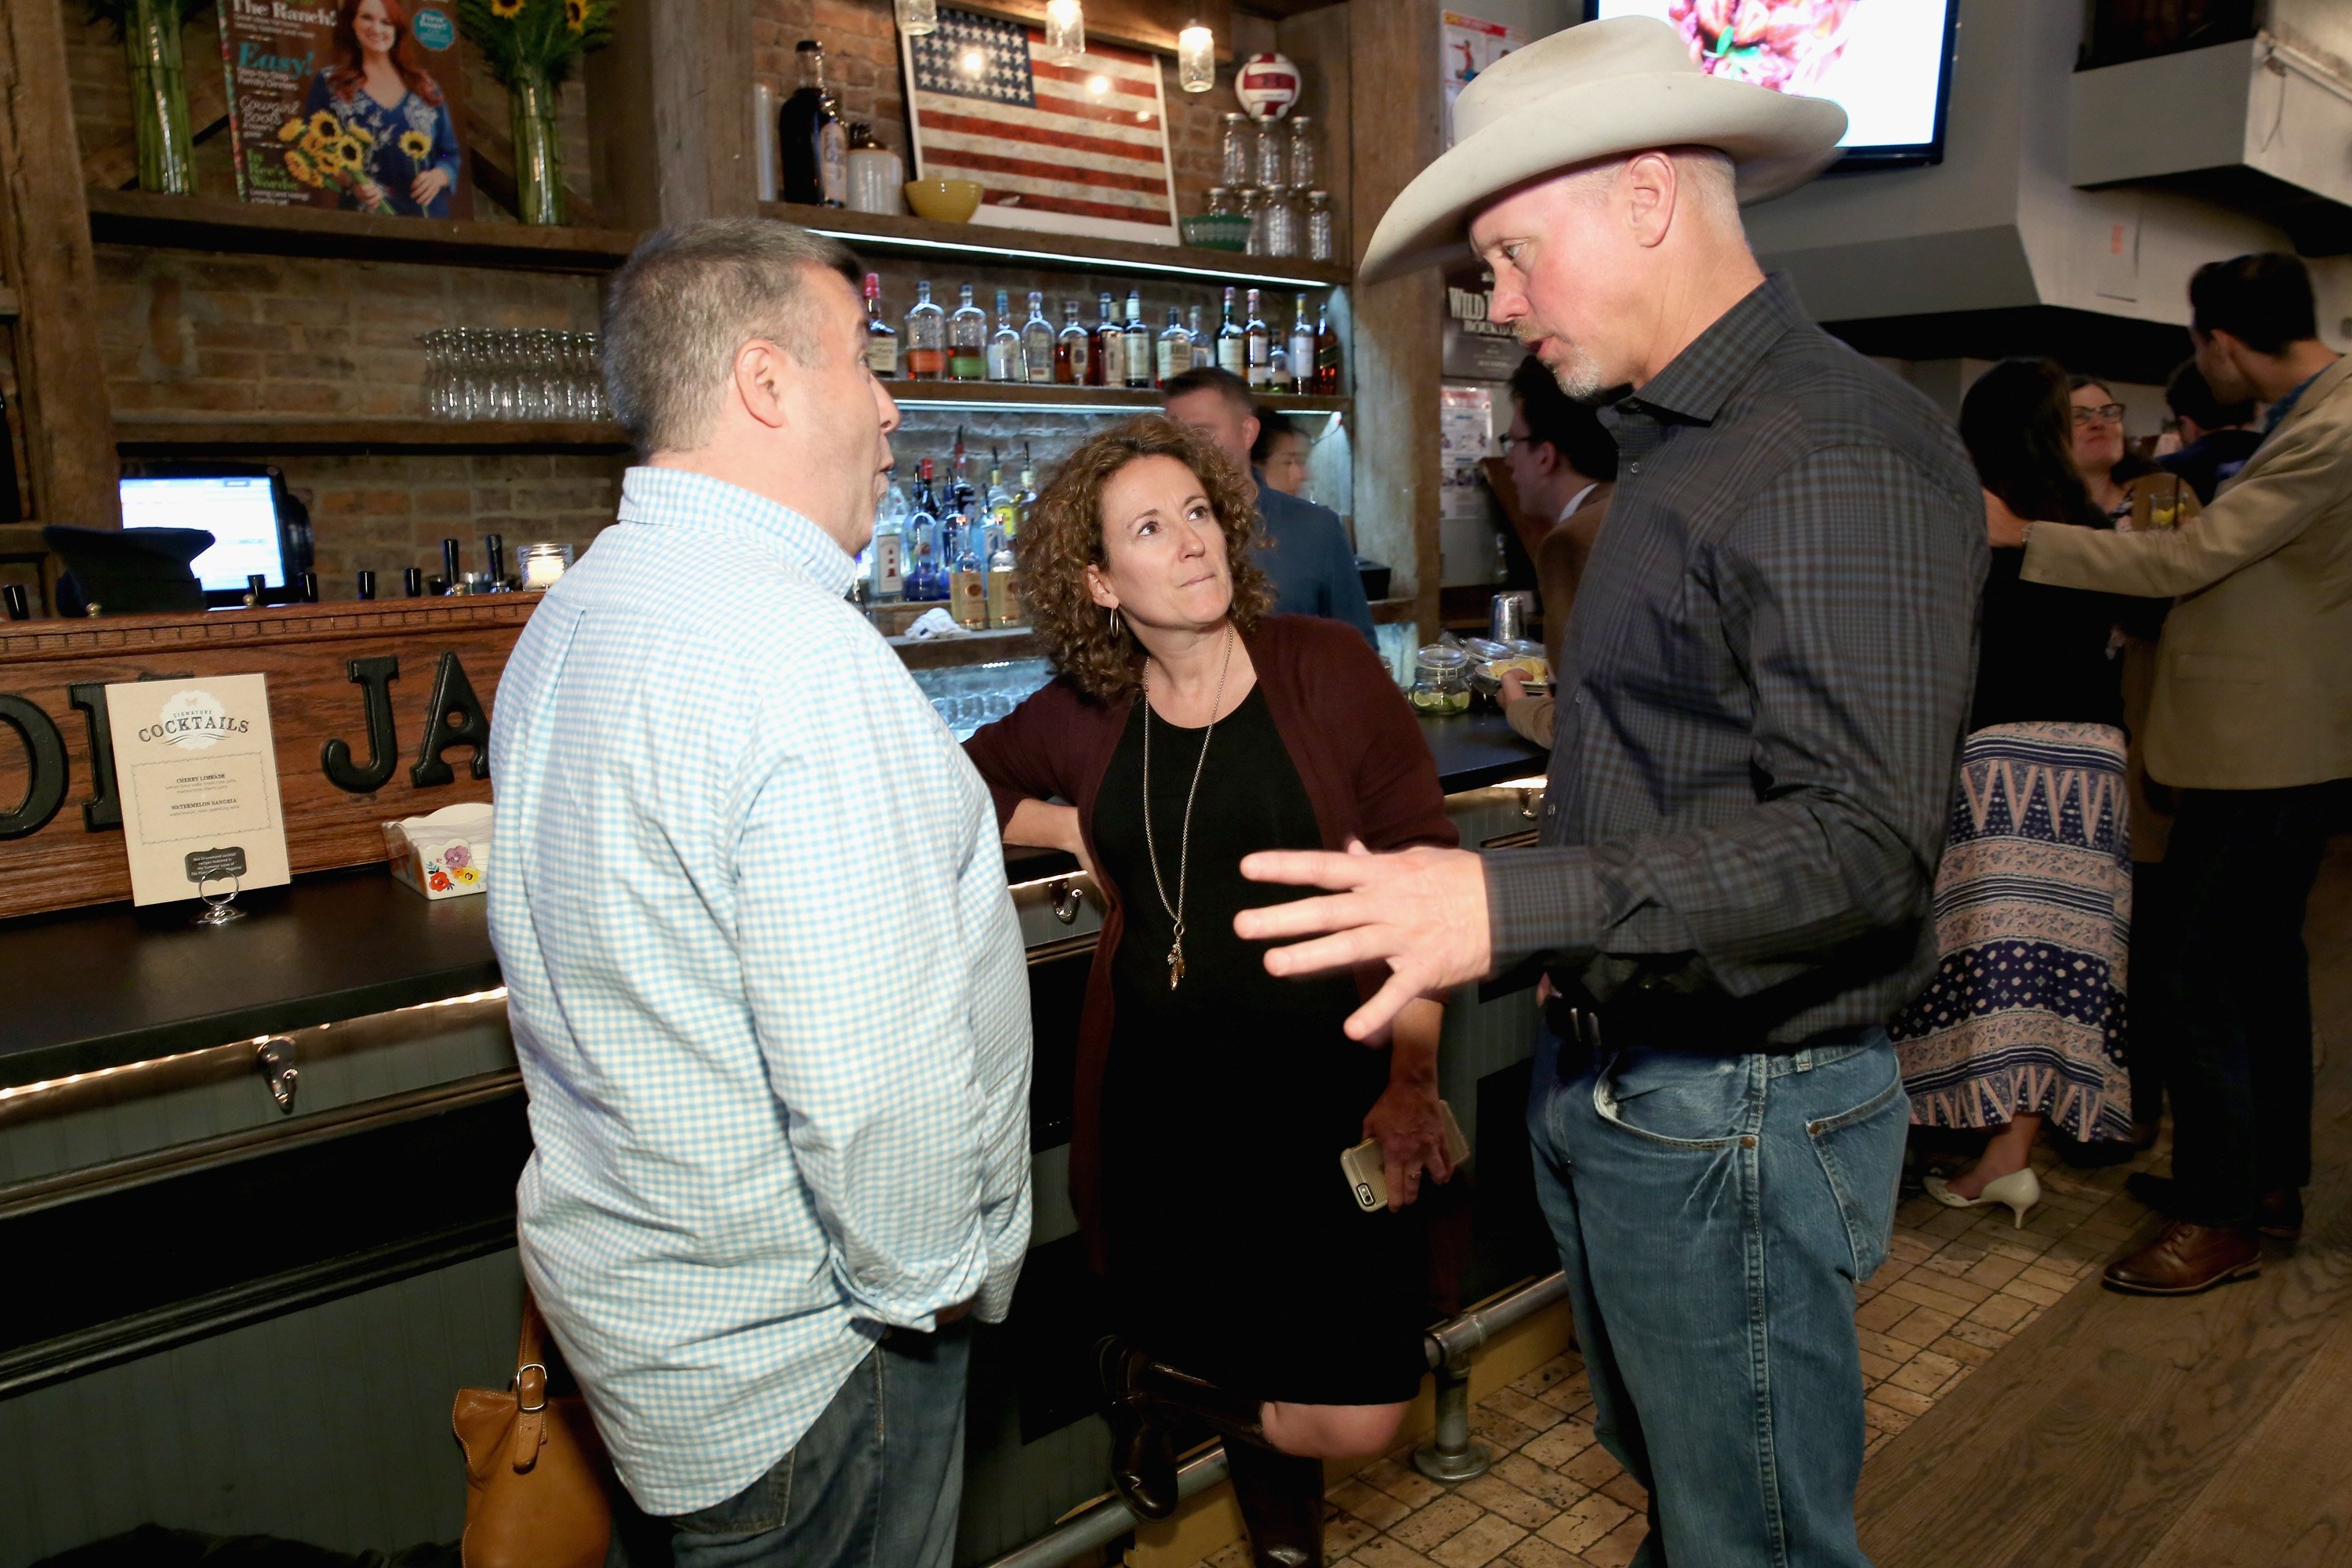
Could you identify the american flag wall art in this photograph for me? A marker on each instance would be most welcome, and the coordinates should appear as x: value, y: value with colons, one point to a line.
x: 1066, y: 149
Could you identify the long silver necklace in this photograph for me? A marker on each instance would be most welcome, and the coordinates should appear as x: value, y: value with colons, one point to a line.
x: 1184, y: 848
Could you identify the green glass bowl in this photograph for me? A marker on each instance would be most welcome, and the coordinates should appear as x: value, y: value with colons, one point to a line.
x: 1217, y: 231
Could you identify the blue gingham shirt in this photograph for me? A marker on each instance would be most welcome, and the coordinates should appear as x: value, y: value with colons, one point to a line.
x: 765, y: 982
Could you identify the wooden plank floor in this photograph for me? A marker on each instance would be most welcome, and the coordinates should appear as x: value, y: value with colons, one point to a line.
x: 2129, y: 1432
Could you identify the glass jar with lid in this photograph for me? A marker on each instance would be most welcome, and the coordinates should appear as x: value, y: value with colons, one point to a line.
x: 1302, y: 151
x: 1322, y: 230
x: 1253, y: 209
x: 1273, y: 154
x: 1441, y: 680
x: 1280, y: 222
x: 1234, y: 161
x: 1220, y: 202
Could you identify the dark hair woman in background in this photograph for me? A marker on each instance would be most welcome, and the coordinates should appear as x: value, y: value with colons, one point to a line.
x: 1188, y: 729
x: 2023, y: 1023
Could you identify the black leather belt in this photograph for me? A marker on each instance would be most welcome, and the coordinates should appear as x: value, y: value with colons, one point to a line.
x: 1654, y: 1015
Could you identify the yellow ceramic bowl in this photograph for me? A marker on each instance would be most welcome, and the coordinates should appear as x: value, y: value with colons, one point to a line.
x: 944, y: 200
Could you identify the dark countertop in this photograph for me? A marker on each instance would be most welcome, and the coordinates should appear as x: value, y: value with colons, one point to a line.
x: 1479, y: 748
x: 98, y: 987
x: 95, y: 988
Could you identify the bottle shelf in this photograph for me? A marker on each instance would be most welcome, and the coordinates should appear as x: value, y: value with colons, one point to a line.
x: 203, y: 222
x: 982, y: 396
x: 293, y: 433
x: 978, y: 244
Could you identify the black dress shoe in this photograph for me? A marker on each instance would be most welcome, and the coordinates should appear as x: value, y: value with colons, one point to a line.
x: 2280, y: 1217
x: 1142, y: 1456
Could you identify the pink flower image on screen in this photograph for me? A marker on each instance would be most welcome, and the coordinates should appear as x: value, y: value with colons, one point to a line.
x: 1785, y: 44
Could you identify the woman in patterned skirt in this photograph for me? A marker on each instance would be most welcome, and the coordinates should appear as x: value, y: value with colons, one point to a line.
x: 2023, y: 1022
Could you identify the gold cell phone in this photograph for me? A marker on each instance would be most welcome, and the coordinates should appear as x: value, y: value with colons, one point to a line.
x: 1366, y: 1171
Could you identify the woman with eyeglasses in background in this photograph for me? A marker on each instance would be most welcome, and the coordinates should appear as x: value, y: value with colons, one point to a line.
x: 2100, y: 456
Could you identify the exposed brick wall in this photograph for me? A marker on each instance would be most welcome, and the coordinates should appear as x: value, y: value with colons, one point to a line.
x: 382, y: 513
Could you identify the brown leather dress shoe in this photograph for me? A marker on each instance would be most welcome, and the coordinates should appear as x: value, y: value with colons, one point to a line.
x: 2185, y: 1259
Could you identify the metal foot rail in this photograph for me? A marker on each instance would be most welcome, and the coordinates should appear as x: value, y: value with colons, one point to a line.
x: 1450, y: 1456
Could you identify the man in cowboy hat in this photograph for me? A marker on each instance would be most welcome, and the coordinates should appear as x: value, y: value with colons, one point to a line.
x: 1762, y: 697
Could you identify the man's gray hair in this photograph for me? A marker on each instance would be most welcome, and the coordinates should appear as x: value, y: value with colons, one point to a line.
x: 688, y: 300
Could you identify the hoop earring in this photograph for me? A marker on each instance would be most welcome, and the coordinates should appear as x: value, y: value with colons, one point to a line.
x: 1111, y: 620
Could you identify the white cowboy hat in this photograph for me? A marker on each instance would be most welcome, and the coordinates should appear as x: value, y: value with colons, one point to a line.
x: 1587, y: 93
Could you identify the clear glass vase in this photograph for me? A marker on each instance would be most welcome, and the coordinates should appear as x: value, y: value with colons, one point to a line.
x: 538, y: 149
x: 158, y: 96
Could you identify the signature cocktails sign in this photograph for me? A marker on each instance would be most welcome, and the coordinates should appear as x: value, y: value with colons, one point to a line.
x: 375, y: 711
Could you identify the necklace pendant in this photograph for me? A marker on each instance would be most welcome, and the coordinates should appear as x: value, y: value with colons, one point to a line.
x: 1175, y: 966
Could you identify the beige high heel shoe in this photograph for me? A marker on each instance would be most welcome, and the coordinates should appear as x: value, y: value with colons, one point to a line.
x: 2020, y: 1190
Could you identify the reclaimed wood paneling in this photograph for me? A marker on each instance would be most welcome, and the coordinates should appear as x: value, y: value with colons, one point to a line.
x: 46, y: 256
x: 305, y: 651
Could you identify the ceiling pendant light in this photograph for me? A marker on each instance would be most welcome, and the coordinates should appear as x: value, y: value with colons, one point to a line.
x: 1196, y: 58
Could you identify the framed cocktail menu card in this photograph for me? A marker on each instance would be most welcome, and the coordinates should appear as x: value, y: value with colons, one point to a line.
x: 198, y: 774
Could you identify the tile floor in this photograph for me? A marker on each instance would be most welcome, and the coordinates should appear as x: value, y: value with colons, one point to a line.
x: 1956, y: 1286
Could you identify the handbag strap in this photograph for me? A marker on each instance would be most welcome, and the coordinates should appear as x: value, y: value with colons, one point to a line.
x: 530, y: 1387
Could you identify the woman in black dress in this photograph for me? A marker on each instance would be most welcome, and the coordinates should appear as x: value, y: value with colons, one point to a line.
x: 1189, y: 728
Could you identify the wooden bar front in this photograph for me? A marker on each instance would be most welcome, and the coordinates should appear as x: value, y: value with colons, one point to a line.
x: 308, y: 652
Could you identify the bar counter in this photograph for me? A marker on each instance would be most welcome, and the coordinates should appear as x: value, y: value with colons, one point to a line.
x: 106, y: 986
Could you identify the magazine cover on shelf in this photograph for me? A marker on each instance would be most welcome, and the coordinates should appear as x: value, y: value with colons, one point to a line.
x: 346, y: 104
x: 1077, y: 150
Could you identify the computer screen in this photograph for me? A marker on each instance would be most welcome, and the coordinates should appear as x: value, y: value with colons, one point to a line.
x: 1886, y: 62
x: 239, y: 510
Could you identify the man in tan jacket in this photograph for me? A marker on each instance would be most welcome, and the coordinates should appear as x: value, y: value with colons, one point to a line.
x: 2251, y: 721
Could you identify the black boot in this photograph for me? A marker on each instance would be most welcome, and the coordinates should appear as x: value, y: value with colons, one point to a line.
x: 1281, y: 1499
x: 1142, y: 1457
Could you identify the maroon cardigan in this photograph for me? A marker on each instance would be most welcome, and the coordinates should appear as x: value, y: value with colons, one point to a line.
x: 1350, y: 734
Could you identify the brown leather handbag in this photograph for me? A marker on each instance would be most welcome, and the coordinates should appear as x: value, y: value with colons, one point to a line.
x: 537, y: 1479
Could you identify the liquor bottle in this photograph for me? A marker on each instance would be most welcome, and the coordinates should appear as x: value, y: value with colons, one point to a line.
x: 1175, y: 350
x: 809, y: 130
x: 1327, y: 354
x: 967, y: 583
x: 881, y: 337
x: 1037, y: 341
x: 1277, y: 367
x: 1028, y: 498
x: 1232, y: 348
x: 1302, y: 349
x: 923, y: 579
x: 1003, y: 512
x: 1005, y: 360
x: 926, y: 337
x: 962, y: 497
x: 1138, y: 335
x: 1260, y: 346
x: 1205, y: 348
x: 887, y: 585
x: 1003, y: 584
x: 1074, y: 349
x: 968, y: 341
x: 1109, y: 367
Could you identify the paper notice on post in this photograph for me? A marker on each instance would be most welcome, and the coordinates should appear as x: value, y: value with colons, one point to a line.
x: 197, y: 770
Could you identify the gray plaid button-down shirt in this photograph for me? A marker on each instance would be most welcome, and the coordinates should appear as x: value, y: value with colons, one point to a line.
x: 1763, y: 691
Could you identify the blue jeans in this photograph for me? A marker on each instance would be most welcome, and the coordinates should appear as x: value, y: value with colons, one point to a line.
x: 874, y: 1484
x: 1712, y: 1215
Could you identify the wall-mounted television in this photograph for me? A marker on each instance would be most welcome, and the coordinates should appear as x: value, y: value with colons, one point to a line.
x: 1887, y: 63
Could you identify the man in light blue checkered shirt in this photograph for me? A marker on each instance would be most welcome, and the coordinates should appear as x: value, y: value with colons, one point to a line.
x: 765, y: 981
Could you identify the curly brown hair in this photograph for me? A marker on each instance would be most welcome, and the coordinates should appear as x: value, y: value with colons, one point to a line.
x: 1063, y: 536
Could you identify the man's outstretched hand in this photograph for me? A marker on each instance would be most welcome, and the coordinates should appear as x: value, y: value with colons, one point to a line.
x: 1423, y: 911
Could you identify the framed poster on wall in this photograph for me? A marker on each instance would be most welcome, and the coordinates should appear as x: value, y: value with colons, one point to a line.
x: 1078, y: 149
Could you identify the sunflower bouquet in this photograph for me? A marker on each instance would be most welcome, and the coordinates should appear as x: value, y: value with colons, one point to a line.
x: 324, y: 149
x: 533, y: 47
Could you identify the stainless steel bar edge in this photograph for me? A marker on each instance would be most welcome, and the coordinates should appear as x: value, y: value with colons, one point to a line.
x: 1457, y: 1338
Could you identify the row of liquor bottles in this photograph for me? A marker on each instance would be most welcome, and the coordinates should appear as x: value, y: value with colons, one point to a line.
x: 951, y: 542
x: 937, y: 344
